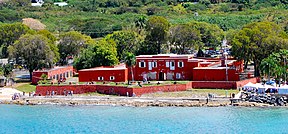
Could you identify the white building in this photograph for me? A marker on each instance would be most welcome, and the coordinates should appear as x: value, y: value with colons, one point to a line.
x: 37, y: 3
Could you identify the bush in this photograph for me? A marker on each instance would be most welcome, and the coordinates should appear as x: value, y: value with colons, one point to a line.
x: 195, y: 7
x: 224, y: 8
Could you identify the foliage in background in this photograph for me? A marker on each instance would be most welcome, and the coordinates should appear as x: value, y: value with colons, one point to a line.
x: 257, y: 41
x: 275, y: 65
x: 9, y: 34
x: 35, y: 50
x: 71, y: 43
x: 143, y: 27
x: 102, y: 53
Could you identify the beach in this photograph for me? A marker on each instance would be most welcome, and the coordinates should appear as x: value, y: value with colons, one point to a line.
x: 190, y: 98
x: 131, y: 101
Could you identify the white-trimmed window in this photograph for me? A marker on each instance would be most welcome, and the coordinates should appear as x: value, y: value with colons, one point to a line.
x: 154, y: 64
x: 172, y: 64
x: 178, y: 76
x: 112, y: 78
x: 142, y: 64
x: 180, y: 64
x: 100, y: 78
x: 167, y: 64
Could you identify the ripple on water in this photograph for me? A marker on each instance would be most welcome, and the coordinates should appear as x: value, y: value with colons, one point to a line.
x: 114, y: 119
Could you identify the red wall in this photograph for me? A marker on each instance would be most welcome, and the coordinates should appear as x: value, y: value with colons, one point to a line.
x: 186, y: 72
x: 222, y: 84
x: 36, y: 75
x: 204, y: 74
x: 62, y: 71
x: 120, y: 90
x: 165, y: 88
x: 92, y: 75
x: 112, y: 90
x: 244, y: 82
x: 77, y: 89
x: 214, y: 84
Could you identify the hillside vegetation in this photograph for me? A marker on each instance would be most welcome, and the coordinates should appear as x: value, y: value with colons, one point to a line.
x: 97, y: 18
x: 106, y: 32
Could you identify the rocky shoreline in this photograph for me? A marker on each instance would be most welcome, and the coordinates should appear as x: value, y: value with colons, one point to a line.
x: 133, y: 101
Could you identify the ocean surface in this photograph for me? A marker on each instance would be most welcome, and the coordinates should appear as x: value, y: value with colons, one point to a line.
x: 145, y: 120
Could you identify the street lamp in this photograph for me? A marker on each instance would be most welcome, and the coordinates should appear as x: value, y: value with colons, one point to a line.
x: 226, y: 55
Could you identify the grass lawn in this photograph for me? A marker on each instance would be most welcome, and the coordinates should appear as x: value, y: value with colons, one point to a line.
x: 25, y: 87
x: 194, y: 93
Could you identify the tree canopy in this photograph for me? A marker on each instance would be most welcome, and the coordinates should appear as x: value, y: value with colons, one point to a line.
x: 102, y: 53
x: 183, y: 37
x: 71, y: 43
x: 35, y: 50
x: 9, y: 34
x: 211, y: 34
x: 257, y: 40
x: 275, y: 65
x: 126, y: 41
x: 157, y: 28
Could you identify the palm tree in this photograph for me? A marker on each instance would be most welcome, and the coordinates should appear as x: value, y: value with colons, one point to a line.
x: 130, y: 62
x: 268, y: 66
x: 275, y: 65
x: 140, y: 23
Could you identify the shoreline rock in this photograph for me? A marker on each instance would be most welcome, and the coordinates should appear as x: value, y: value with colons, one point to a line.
x: 134, y: 102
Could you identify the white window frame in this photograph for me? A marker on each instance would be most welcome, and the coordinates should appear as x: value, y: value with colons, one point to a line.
x: 141, y: 64
x: 167, y: 64
x: 154, y: 64
x: 112, y: 77
x: 100, y: 78
x: 172, y: 67
x: 179, y: 64
x: 178, y: 75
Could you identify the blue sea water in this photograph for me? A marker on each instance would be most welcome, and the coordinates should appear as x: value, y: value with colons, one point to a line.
x: 145, y: 120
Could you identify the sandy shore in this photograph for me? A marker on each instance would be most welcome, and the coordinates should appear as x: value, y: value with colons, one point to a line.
x: 7, y: 93
x: 131, y: 101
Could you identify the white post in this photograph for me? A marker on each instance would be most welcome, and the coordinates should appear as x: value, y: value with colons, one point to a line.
x: 226, y: 55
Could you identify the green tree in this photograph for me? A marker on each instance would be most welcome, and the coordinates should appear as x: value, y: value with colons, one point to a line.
x: 9, y: 34
x: 126, y: 41
x: 6, y: 69
x: 183, y: 37
x: 140, y: 23
x: 157, y: 28
x: 103, y: 53
x: 130, y: 62
x: 275, y: 65
x: 71, y: 43
x: 52, y: 43
x: 257, y: 40
x: 268, y: 66
x: 35, y: 50
x: 211, y: 34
